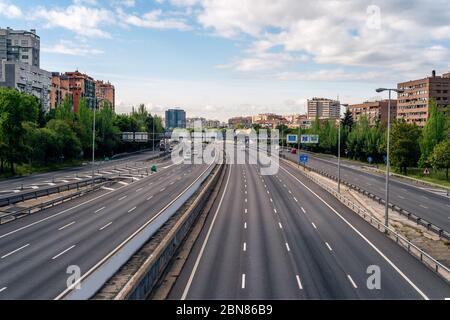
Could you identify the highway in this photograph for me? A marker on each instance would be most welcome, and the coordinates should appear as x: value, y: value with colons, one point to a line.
x: 35, y: 251
x: 283, y: 237
x: 52, y: 178
x: 430, y: 206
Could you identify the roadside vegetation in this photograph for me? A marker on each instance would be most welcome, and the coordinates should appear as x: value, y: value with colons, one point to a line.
x: 34, y: 141
x: 422, y: 153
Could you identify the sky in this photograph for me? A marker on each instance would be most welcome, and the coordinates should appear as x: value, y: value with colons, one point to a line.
x: 224, y: 58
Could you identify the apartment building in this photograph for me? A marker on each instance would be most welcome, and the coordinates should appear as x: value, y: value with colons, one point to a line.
x: 323, y: 108
x: 81, y: 86
x: 27, y: 79
x: 269, y: 120
x: 375, y: 111
x: 413, y: 104
x: 19, y: 64
x: 59, y: 90
x: 105, y: 91
x: 236, y: 122
x: 20, y: 46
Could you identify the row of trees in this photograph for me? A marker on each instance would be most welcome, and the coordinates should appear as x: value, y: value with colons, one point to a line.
x: 411, y: 146
x: 28, y: 135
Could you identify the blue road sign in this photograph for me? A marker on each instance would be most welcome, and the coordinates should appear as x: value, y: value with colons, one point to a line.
x: 303, y: 158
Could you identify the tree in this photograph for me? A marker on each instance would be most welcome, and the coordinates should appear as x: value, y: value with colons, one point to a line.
x: 68, y: 145
x: 347, y: 121
x: 404, y: 149
x: 440, y: 157
x: 432, y: 133
x: 15, y: 108
x: 84, y: 126
x: 107, y: 132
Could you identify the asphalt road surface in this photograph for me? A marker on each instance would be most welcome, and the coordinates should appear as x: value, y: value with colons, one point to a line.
x: 36, y: 251
x: 434, y: 208
x: 283, y: 237
x: 42, y: 180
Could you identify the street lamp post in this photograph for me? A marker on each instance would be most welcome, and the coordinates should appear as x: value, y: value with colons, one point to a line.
x: 339, y: 155
x: 386, y: 207
x: 93, y: 150
x: 339, y: 152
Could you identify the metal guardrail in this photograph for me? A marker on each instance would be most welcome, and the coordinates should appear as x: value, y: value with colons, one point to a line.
x: 414, y: 250
x: 94, y: 278
x: 409, y: 215
x: 144, y: 280
x: 33, y: 194
x: 10, y: 216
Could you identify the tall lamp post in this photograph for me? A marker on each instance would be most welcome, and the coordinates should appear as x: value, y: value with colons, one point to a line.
x: 386, y: 208
x: 93, y: 149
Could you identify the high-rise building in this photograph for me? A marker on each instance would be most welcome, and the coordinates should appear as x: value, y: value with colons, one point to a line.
x: 175, y: 118
x: 19, y: 64
x: 374, y: 111
x: 323, y: 108
x: 60, y: 89
x: 20, y: 46
x: 413, y: 104
x: 27, y: 79
x: 81, y: 86
x: 105, y: 92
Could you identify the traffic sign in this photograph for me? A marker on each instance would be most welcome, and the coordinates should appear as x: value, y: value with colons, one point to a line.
x: 303, y: 158
x: 369, y: 160
x: 291, y: 138
x: 309, y: 138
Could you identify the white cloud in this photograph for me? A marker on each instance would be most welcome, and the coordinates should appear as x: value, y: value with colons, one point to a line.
x: 9, y: 10
x: 333, y: 32
x: 153, y: 19
x: 70, y: 48
x: 83, y: 20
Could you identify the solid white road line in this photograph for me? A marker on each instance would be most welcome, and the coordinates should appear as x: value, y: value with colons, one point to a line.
x: 132, y: 209
x: 3, y: 289
x: 243, y: 281
x: 61, y: 253
x: 287, y: 247
x: 299, y: 283
x: 120, y: 199
x: 244, y: 247
x: 313, y: 225
x: 105, y: 226
x: 98, y: 210
x: 67, y: 225
x: 352, y: 282
x: 329, y: 248
x: 362, y: 236
x: 14, y: 251
x: 199, y: 257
